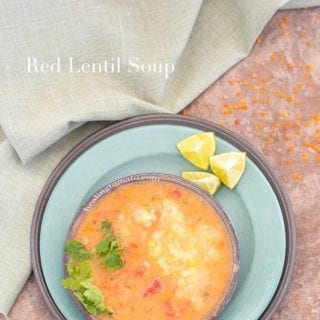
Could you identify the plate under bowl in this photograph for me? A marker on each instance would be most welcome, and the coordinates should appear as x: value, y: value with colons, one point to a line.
x: 258, y: 208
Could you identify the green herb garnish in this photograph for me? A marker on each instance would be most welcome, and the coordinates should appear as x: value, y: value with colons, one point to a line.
x: 77, y: 251
x: 103, y: 246
x: 106, y: 228
x: 92, y: 299
x: 79, y: 279
x: 113, y: 261
x: 109, y: 248
x: 77, y: 273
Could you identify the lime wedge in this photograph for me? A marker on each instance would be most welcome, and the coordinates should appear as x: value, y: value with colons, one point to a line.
x: 205, y: 180
x: 229, y: 167
x: 198, y: 148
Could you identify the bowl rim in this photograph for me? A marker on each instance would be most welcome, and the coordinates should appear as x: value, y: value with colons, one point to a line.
x: 174, y: 179
x: 112, y: 128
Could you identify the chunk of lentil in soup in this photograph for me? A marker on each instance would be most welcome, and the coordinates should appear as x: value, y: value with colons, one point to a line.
x: 178, y: 255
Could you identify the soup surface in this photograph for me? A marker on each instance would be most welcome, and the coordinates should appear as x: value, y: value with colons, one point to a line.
x: 177, y: 252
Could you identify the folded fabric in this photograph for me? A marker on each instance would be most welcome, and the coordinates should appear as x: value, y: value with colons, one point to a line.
x: 65, y: 63
x: 20, y: 187
x: 201, y: 38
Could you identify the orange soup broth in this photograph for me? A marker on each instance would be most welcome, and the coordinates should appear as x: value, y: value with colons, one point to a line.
x: 178, y: 255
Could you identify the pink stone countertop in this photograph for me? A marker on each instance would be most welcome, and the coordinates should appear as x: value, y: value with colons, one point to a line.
x: 272, y: 99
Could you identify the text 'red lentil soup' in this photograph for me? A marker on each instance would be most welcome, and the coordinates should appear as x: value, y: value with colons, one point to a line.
x: 177, y: 254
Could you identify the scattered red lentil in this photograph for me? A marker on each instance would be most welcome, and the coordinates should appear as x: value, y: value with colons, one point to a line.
x: 305, y: 156
x: 260, y: 126
x: 287, y: 162
x: 309, y: 67
x: 254, y: 100
x: 283, y: 114
x: 282, y: 25
x: 295, y: 89
x: 268, y: 141
x: 286, y: 125
x: 243, y: 106
x: 287, y: 137
x: 298, y: 123
x: 307, y: 124
x: 254, y: 75
x: 306, y: 144
x: 312, y: 146
x: 290, y: 98
x: 263, y: 89
x: 272, y: 134
x: 316, y: 118
x: 226, y: 109
x: 296, y: 176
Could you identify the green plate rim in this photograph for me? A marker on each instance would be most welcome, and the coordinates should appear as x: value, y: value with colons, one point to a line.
x: 226, y: 134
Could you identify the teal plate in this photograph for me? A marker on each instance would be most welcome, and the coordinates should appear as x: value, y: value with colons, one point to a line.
x: 258, y: 208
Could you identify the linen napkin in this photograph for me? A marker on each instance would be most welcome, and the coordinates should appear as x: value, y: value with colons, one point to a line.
x: 65, y: 63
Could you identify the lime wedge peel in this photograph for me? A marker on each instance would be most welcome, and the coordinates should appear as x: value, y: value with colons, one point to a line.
x: 229, y: 167
x: 207, y: 181
x: 198, y: 148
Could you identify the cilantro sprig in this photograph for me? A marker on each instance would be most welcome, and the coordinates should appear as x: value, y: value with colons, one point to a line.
x: 77, y: 251
x: 109, y: 248
x: 79, y: 279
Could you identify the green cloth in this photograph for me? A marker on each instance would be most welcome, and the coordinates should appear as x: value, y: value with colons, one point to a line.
x: 38, y: 111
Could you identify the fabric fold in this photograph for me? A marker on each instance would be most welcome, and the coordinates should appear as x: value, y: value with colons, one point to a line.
x: 201, y: 39
x: 20, y: 188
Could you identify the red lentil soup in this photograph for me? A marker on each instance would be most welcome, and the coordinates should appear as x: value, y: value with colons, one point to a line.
x: 177, y: 251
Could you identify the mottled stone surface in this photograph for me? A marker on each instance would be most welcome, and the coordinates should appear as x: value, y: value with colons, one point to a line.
x: 272, y: 99
x: 30, y: 304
